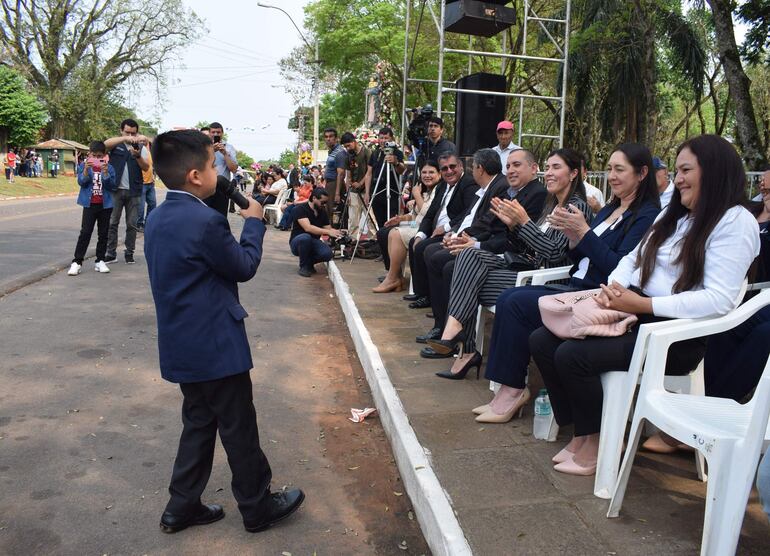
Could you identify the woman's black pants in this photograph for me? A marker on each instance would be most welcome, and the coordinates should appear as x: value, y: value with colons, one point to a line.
x: 571, y: 370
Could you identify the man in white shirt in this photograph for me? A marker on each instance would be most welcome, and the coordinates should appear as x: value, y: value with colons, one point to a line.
x: 505, y: 144
x: 764, y: 183
x: 594, y: 195
x: 665, y: 185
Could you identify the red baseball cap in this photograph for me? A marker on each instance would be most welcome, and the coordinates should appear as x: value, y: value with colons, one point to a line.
x: 505, y: 124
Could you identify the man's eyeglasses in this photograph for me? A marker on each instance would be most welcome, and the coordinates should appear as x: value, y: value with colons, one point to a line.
x: 448, y: 167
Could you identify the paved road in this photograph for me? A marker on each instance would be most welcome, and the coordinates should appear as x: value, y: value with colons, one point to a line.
x: 88, y: 429
x: 37, y: 238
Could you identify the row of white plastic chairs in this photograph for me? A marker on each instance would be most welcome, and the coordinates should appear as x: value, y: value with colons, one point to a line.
x: 730, y: 436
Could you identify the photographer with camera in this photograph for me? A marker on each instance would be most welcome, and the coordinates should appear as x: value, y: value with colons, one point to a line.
x: 96, y: 179
x: 358, y: 160
x: 311, y: 221
x: 334, y: 172
x: 225, y: 164
x: 129, y: 157
x: 427, y: 135
x: 387, y: 158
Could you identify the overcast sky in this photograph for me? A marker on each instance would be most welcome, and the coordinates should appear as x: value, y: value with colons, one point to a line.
x: 232, y: 76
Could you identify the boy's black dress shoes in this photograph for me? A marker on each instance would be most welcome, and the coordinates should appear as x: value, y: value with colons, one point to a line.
x: 411, y: 297
x: 280, y: 506
x: 208, y: 513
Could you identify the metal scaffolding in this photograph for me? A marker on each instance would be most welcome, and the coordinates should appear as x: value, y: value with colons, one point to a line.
x: 561, y: 46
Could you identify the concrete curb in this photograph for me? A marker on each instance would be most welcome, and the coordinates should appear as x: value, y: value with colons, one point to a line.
x: 44, y: 196
x: 431, y: 503
x: 36, y: 275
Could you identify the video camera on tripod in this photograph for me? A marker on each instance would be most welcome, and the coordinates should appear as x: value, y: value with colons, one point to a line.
x: 417, y: 132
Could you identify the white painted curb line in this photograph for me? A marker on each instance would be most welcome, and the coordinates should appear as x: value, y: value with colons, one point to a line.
x: 431, y: 503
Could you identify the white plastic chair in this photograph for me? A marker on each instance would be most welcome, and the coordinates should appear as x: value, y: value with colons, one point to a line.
x: 729, y: 435
x: 538, y: 277
x: 276, y: 206
x: 619, y: 388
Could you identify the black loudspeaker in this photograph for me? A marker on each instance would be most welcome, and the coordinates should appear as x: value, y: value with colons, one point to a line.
x: 477, y: 115
x: 483, y: 19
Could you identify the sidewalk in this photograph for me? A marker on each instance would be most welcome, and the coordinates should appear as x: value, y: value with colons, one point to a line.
x: 88, y: 429
x: 499, y: 479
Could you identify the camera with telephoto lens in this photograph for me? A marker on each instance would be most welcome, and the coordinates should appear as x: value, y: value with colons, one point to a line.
x: 418, y: 127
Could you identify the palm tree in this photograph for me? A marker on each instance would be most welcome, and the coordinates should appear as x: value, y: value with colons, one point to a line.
x: 614, y: 67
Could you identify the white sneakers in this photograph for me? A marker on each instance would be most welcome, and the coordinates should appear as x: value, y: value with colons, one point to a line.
x: 102, y: 267
x: 76, y: 269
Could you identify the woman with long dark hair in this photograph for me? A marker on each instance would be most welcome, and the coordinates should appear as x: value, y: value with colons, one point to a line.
x: 691, y: 264
x: 595, y: 251
x: 479, y: 275
x: 397, y: 237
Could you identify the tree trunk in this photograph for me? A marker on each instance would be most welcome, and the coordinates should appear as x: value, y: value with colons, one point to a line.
x: 647, y: 115
x: 739, y: 85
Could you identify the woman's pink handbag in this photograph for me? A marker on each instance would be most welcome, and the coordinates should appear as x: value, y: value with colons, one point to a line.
x: 575, y: 315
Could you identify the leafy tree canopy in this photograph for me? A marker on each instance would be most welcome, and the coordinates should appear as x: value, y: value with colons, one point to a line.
x: 78, y: 54
x: 20, y: 111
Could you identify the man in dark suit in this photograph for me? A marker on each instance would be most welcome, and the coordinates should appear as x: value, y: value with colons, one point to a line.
x: 454, y: 198
x: 520, y: 183
x: 477, y: 230
x: 195, y: 265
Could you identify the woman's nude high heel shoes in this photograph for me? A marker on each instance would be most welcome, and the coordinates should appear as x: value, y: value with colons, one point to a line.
x: 492, y: 417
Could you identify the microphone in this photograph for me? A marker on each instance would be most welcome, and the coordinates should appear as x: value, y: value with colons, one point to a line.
x: 228, y: 189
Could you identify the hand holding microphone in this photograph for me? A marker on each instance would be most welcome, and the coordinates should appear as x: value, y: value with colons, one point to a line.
x: 254, y: 210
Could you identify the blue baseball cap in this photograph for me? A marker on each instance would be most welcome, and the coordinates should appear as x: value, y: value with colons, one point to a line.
x: 658, y: 164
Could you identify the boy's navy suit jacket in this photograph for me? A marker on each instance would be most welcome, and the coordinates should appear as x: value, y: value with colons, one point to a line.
x: 195, y: 265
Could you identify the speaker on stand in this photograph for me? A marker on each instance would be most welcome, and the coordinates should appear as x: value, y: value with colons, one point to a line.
x: 477, y: 115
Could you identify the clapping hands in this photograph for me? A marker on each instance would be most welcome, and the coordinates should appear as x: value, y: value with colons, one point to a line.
x: 511, y: 213
x: 570, y: 221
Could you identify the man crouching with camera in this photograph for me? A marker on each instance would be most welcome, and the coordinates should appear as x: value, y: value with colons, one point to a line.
x: 195, y: 264
x: 311, y: 221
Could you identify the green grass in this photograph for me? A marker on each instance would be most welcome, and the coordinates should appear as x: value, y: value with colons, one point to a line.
x: 23, y: 187
x: 37, y: 187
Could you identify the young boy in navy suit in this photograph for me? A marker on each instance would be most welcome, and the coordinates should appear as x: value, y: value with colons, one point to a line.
x: 195, y: 265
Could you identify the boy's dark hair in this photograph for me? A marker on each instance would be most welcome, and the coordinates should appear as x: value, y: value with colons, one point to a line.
x: 175, y: 153
x: 347, y: 137
x: 319, y: 192
x: 129, y: 122
x: 215, y: 125
x: 309, y: 178
x: 386, y: 131
x: 330, y: 130
x: 97, y: 147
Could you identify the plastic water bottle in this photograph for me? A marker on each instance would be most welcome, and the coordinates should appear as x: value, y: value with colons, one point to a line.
x: 544, y: 426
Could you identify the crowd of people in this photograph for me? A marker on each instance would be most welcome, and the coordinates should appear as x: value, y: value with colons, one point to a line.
x: 27, y: 163
x: 664, y: 245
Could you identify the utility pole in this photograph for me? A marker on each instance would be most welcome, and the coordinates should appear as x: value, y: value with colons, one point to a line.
x: 316, y: 102
x: 316, y: 76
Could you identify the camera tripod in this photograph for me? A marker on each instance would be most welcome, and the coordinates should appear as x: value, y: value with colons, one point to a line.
x: 390, y: 172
